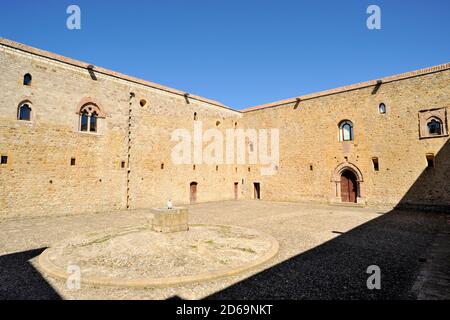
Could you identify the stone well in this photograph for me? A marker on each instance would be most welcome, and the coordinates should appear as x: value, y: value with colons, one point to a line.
x: 168, y: 220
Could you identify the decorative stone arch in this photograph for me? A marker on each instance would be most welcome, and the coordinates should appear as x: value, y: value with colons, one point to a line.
x: 90, y: 108
x: 90, y: 101
x: 336, y: 182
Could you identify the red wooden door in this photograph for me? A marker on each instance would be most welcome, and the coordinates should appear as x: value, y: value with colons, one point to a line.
x: 193, y: 192
x: 348, y: 187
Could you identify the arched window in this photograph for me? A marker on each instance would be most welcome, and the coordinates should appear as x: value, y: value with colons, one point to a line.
x: 93, y: 122
x: 346, y: 131
x: 434, y: 127
x: 24, y: 112
x: 88, y: 118
x: 27, y: 79
x: 195, y: 116
x: 382, y: 108
x: 84, y: 121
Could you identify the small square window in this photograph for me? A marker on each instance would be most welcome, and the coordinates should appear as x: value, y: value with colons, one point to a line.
x: 376, y: 164
x: 4, y: 159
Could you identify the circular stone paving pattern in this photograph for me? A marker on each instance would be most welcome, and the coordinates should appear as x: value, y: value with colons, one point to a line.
x: 142, y: 258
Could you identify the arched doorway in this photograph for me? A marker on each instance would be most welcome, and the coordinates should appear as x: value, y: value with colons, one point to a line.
x: 347, y: 184
x: 193, y: 192
x: 349, y: 187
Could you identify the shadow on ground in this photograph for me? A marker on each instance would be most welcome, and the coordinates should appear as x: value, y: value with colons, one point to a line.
x: 398, y: 242
x: 19, y: 280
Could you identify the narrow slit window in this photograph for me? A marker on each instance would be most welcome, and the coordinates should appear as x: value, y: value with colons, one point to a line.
x: 84, y: 122
x: 93, y: 122
x: 431, y: 160
x: 72, y: 161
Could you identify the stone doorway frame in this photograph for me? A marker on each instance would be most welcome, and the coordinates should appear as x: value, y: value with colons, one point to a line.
x: 336, y: 183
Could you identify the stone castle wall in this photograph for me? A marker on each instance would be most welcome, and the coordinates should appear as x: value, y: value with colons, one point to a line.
x: 127, y: 163
x: 310, y: 140
x: 39, y: 179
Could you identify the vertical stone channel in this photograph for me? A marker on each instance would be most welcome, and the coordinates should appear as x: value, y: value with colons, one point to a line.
x: 130, y: 116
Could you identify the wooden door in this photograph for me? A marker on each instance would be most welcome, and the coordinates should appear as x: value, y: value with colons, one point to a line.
x: 193, y: 192
x: 348, y: 187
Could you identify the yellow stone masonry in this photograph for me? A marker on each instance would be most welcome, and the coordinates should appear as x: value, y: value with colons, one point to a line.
x: 127, y: 162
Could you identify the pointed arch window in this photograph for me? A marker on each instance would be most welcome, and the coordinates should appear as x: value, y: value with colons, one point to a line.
x: 433, y: 123
x: 346, y: 131
x: 434, y: 126
x: 89, y: 115
x: 24, y: 112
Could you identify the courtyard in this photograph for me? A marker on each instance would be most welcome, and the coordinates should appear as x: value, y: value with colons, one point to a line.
x: 324, y: 253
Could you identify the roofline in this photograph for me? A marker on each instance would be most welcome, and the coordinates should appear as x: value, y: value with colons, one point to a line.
x: 83, y: 65
x: 371, y: 83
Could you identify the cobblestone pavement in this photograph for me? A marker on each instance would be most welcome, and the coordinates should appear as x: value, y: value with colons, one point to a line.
x: 324, y: 253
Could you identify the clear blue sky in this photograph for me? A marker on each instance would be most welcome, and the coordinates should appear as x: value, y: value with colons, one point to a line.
x: 240, y: 52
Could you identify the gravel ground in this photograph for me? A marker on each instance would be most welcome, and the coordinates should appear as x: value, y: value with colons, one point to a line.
x: 141, y: 253
x: 324, y: 252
